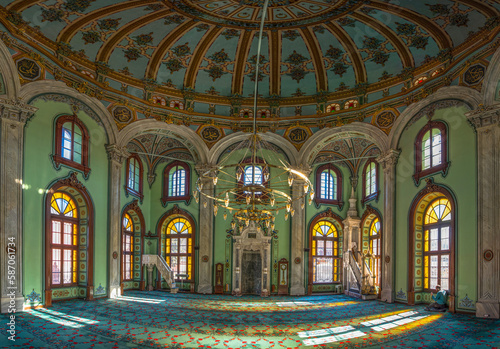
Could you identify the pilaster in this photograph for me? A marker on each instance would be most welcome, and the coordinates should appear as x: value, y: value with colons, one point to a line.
x: 298, y: 236
x: 388, y: 162
x: 206, y: 240
x: 352, y: 238
x: 486, y: 121
x: 116, y: 158
x: 13, y: 117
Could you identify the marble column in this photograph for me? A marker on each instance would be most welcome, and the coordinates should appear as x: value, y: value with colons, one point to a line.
x: 116, y: 158
x: 388, y: 162
x: 298, y: 236
x: 13, y: 116
x: 486, y: 120
x: 352, y: 239
x: 206, y: 240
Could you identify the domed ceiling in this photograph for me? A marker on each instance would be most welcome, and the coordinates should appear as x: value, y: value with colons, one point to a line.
x: 204, y: 51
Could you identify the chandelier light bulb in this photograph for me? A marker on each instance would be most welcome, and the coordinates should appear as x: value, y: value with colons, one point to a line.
x: 225, y: 215
x: 216, y: 208
x: 272, y: 226
x: 310, y: 201
x: 288, y: 206
x: 286, y: 216
x: 204, y: 204
x: 266, y: 176
x: 226, y: 201
x: 292, y: 212
x: 302, y: 205
x: 290, y: 179
x: 272, y: 218
x: 248, y: 199
x: 239, y: 172
x: 306, y: 187
x: 267, y: 224
x: 247, y: 222
x: 311, y: 195
x: 215, y: 180
x: 200, y: 186
x: 272, y: 201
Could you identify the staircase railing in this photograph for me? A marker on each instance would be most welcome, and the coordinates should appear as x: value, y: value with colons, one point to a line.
x: 361, y: 273
x: 152, y: 260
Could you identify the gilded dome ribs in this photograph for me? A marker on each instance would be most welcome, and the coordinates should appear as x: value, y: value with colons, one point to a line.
x: 399, y: 45
x: 106, y: 49
x: 69, y: 31
x: 198, y: 55
x: 241, y: 58
x: 162, y: 48
x: 439, y: 35
x: 350, y: 47
x: 275, y: 63
x: 317, y: 59
x: 21, y: 5
x: 485, y: 9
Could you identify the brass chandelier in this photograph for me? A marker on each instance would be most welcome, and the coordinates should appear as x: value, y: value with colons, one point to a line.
x: 259, y: 185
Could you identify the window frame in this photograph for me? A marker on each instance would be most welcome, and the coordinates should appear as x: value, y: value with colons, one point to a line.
x: 444, y: 165
x: 372, y: 196
x: 130, y: 253
x: 377, y: 271
x: 129, y: 190
x: 241, y: 182
x: 338, y: 200
x: 57, y: 154
x: 190, y: 236
x: 449, y: 252
x: 75, y: 221
x: 334, y: 257
x: 187, y: 196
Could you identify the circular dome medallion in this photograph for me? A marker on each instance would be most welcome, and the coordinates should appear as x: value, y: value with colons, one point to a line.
x: 281, y: 13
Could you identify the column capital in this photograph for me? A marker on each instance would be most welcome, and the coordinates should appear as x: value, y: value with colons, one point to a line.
x: 203, y: 168
x: 484, y: 116
x: 117, y: 154
x: 389, y: 159
x: 16, y: 110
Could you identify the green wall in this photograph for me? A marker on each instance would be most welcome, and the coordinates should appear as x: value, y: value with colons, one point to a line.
x: 40, y: 174
x: 461, y: 180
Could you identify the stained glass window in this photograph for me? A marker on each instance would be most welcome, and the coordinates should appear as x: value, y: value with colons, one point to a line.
x: 375, y: 249
x: 179, y: 248
x: 128, y: 247
x: 64, y: 240
x: 325, y: 253
x: 437, y: 244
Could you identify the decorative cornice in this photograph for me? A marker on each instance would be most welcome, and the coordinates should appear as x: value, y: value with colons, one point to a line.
x: 431, y: 109
x: 389, y: 159
x: 484, y: 116
x: 116, y: 153
x: 16, y: 110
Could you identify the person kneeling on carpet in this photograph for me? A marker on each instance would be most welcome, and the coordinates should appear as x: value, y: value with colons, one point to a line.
x: 439, y: 299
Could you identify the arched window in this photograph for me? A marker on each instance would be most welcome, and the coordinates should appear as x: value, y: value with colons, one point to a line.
x: 325, y: 253
x: 375, y: 250
x: 370, y: 180
x: 127, y: 248
x: 63, y: 240
x: 329, y: 185
x: 431, y: 150
x: 71, y: 143
x: 179, y: 248
x: 176, y: 178
x: 437, y: 244
x: 134, y: 176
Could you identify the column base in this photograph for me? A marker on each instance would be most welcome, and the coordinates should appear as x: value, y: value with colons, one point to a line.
x: 387, y: 295
x: 9, y: 305
x: 114, y: 291
x: 488, y: 310
x: 205, y: 289
x: 297, y: 291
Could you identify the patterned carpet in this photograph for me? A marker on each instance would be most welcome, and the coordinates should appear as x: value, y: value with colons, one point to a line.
x: 164, y: 320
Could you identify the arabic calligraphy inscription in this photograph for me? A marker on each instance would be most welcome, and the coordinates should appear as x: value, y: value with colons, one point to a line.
x: 474, y: 74
x: 28, y: 69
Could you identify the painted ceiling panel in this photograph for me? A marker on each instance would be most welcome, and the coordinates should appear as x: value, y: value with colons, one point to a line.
x: 264, y: 68
x: 310, y: 45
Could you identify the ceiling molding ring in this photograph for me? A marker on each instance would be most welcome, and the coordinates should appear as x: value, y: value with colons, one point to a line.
x: 469, y: 96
